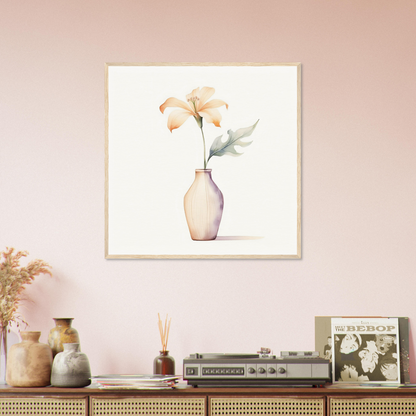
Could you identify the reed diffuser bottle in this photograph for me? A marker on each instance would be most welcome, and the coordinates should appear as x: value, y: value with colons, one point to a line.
x: 164, y: 364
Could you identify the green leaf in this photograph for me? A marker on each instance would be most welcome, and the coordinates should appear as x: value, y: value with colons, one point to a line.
x: 220, y: 148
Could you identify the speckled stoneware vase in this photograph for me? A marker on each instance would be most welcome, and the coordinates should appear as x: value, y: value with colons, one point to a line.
x: 63, y: 333
x: 71, y: 368
x: 29, y: 363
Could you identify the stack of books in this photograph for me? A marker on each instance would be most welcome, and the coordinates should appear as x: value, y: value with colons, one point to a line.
x: 134, y: 381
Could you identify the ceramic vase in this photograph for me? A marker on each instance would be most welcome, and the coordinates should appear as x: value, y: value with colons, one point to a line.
x: 203, y: 204
x: 61, y: 334
x: 164, y: 364
x: 70, y: 368
x: 29, y: 363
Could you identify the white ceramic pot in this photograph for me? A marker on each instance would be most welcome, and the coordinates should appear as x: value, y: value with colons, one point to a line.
x: 70, y: 368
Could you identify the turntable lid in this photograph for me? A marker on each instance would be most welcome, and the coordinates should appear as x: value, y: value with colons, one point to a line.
x: 225, y: 356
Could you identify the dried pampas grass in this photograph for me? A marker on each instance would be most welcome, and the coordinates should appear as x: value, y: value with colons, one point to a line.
x: 13, y: 279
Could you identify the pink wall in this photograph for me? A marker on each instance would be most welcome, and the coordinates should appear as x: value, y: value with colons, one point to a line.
x: 359, y: 196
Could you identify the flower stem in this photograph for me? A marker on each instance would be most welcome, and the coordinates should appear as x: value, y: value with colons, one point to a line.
x: 203, y: 142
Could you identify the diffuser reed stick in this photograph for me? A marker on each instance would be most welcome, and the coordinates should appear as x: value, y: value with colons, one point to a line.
x: 164, y: 331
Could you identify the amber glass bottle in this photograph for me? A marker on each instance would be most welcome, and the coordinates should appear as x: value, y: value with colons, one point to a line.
x: 164, y: 364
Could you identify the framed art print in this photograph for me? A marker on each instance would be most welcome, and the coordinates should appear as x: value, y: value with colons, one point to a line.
x: 203, y: 160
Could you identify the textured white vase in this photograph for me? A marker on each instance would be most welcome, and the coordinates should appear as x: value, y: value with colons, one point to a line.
x: 70, y: 368
x: 203, y: 205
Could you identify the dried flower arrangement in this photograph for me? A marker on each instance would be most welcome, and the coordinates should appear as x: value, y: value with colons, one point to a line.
x: 13, y: 277
x: 164, y: 332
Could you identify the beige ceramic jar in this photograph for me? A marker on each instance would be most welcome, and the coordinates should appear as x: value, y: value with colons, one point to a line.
x: 29, y: 363
x: 63, y: 333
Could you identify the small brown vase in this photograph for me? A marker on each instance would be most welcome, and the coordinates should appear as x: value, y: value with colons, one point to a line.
x: 29, y: 363
x: 164, y: 364
x: 63, y: 333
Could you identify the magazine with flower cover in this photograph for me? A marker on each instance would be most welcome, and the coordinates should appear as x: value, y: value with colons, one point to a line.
x: 323, y: 340
x: 365, y: 350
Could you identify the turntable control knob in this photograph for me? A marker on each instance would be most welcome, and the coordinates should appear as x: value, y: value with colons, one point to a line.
x: 251, y: 370
x: 262, y: 370
x: 271, y: 370
x: 281, y: 370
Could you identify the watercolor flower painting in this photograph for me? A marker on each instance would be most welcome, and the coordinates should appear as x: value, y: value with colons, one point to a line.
x: 204, y: 201
x: 167, y: 124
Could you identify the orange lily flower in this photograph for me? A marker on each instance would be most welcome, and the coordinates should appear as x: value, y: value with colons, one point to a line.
x: 197, y: 105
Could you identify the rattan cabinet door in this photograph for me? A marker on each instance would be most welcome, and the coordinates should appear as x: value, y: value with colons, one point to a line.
x: 25, y: 406
x: 154, y: 406
x: 396, y: 406
x: 267, y: 406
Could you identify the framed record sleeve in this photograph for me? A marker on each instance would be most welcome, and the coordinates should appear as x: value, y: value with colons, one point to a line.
x: 365, y: 350
x: 324, y: 340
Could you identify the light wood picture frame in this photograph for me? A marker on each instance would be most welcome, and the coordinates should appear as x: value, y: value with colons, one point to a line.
x: 163, y: 121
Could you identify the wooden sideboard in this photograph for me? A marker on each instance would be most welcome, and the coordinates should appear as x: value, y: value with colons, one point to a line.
x: 190, y: 401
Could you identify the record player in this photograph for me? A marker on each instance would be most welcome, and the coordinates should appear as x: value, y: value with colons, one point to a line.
x: 292, y: 368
